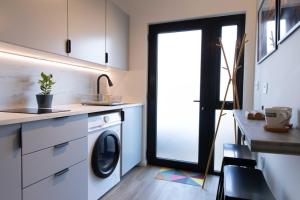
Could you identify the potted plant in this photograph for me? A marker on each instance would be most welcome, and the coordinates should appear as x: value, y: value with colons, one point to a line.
x: 44, y: 99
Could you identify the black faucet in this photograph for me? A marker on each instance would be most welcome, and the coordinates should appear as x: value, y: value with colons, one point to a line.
x: 98, y: 82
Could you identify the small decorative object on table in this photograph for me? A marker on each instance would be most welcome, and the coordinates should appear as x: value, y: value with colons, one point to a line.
x: 284, y: 129
x: 254, y: 115
x: 278, y: 119
x: 44, y: 99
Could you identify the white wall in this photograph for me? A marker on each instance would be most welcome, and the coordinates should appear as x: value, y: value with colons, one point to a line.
x: 144, y: 12
x: 19, y: 76
x: 281, y: 71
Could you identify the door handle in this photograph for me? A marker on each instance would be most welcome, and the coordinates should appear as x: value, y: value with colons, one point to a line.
x: 198, y: 101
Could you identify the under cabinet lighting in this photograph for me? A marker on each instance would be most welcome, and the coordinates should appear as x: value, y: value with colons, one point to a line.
x: 45, y: 61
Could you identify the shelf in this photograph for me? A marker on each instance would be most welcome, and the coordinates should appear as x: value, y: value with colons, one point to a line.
x: 263, y: 141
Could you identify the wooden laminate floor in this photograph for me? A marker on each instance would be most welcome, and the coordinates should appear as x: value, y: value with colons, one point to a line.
x: 140, y: 184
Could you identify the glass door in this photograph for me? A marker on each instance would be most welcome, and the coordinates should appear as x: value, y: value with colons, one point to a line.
x: 185, y: 83
x: 178, y: 80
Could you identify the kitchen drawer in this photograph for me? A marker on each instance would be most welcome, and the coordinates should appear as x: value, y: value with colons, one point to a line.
x: 39, y: 135
x: 44, y: 163
x: 71, y: 185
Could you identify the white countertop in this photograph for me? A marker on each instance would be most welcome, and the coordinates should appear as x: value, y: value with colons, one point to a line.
x: 75, y: 109
x: 260, y: 140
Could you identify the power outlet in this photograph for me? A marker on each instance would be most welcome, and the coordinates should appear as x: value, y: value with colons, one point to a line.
x: 262, y: 162
x: 265, y: 88
x: 257, y: 86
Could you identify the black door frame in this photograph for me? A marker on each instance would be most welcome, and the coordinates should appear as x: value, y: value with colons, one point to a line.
x: 210, y: 81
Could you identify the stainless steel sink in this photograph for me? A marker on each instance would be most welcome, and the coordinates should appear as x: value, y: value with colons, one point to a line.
x: 101, y: 100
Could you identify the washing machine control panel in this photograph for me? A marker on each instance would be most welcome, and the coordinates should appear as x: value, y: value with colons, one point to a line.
x: 106, y: 119
x: 100, y: 120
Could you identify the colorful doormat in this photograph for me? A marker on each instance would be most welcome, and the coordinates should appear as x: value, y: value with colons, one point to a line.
x: 178, y: 176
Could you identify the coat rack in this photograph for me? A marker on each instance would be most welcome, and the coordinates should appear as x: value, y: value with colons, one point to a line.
x: 239, y: 49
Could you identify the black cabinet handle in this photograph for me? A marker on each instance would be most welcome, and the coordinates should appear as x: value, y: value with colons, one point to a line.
x: 68, y: 46
x: 122, y: 116
x: 106, y: 57
x: 61, y: 172
x: 61, y: 145
x: 59, y: 118
x: 20, y: 138
x: 196, y: 101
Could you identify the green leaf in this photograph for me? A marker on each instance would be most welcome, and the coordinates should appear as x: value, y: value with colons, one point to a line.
x: 46, y: 83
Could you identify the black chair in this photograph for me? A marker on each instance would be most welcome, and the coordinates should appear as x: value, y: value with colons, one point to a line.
x: 245, y: 183
x: 238, y: 155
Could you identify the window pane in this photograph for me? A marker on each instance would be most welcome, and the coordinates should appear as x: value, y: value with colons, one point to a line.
x: 271, y: 36
x: 229, y: 37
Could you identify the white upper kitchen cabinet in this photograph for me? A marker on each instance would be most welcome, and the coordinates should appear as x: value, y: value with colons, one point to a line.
x: 36, y: 24
x: 117, y: 36
x: 86, y: 30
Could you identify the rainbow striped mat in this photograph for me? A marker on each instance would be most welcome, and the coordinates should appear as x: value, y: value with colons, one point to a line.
x: 178, y: 176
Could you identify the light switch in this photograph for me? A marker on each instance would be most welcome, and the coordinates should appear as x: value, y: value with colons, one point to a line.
x: 265, y: 88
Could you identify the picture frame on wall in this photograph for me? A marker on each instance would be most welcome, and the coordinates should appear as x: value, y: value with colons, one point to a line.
x: 267, y: 29
x: 289, y: 18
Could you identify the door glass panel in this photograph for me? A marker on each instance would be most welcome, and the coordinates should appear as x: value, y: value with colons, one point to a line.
x: 226, y: 130
x: 229, y: 37
x: 107, y: 152
x: 178, y: 80
x: 225, y: 135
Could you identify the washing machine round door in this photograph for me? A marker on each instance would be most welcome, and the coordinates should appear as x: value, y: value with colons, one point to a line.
x: 106, y: 153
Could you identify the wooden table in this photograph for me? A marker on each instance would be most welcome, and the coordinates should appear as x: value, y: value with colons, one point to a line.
x: 260, y: 140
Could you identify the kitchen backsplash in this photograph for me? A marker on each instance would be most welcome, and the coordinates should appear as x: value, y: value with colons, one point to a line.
x: 19, y: 76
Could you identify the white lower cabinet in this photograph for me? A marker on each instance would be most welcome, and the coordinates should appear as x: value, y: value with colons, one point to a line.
x: 132, y: 138
x: 10, y: 163
x: 43, y: 134
x: 52, y: 164
x: 54, y: 159
x: 70, y: 184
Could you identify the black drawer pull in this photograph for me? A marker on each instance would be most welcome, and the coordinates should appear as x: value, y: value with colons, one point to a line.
x: 61, y: 145
x: 61, y: 118
x: 61, y: 172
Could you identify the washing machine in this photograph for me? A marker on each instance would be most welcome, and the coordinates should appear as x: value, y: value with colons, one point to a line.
x: 104, y: 149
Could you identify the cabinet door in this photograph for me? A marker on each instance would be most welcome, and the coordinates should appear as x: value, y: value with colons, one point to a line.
x: 117, y: 36
x: 69, y: 184
x: 86, y: 20
x: 131, y: 138
x: 43, y: 134
x: 36, y: 24
x: 10, y: 162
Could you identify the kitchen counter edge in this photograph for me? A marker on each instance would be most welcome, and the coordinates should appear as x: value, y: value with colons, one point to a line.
x: 75, y: 109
